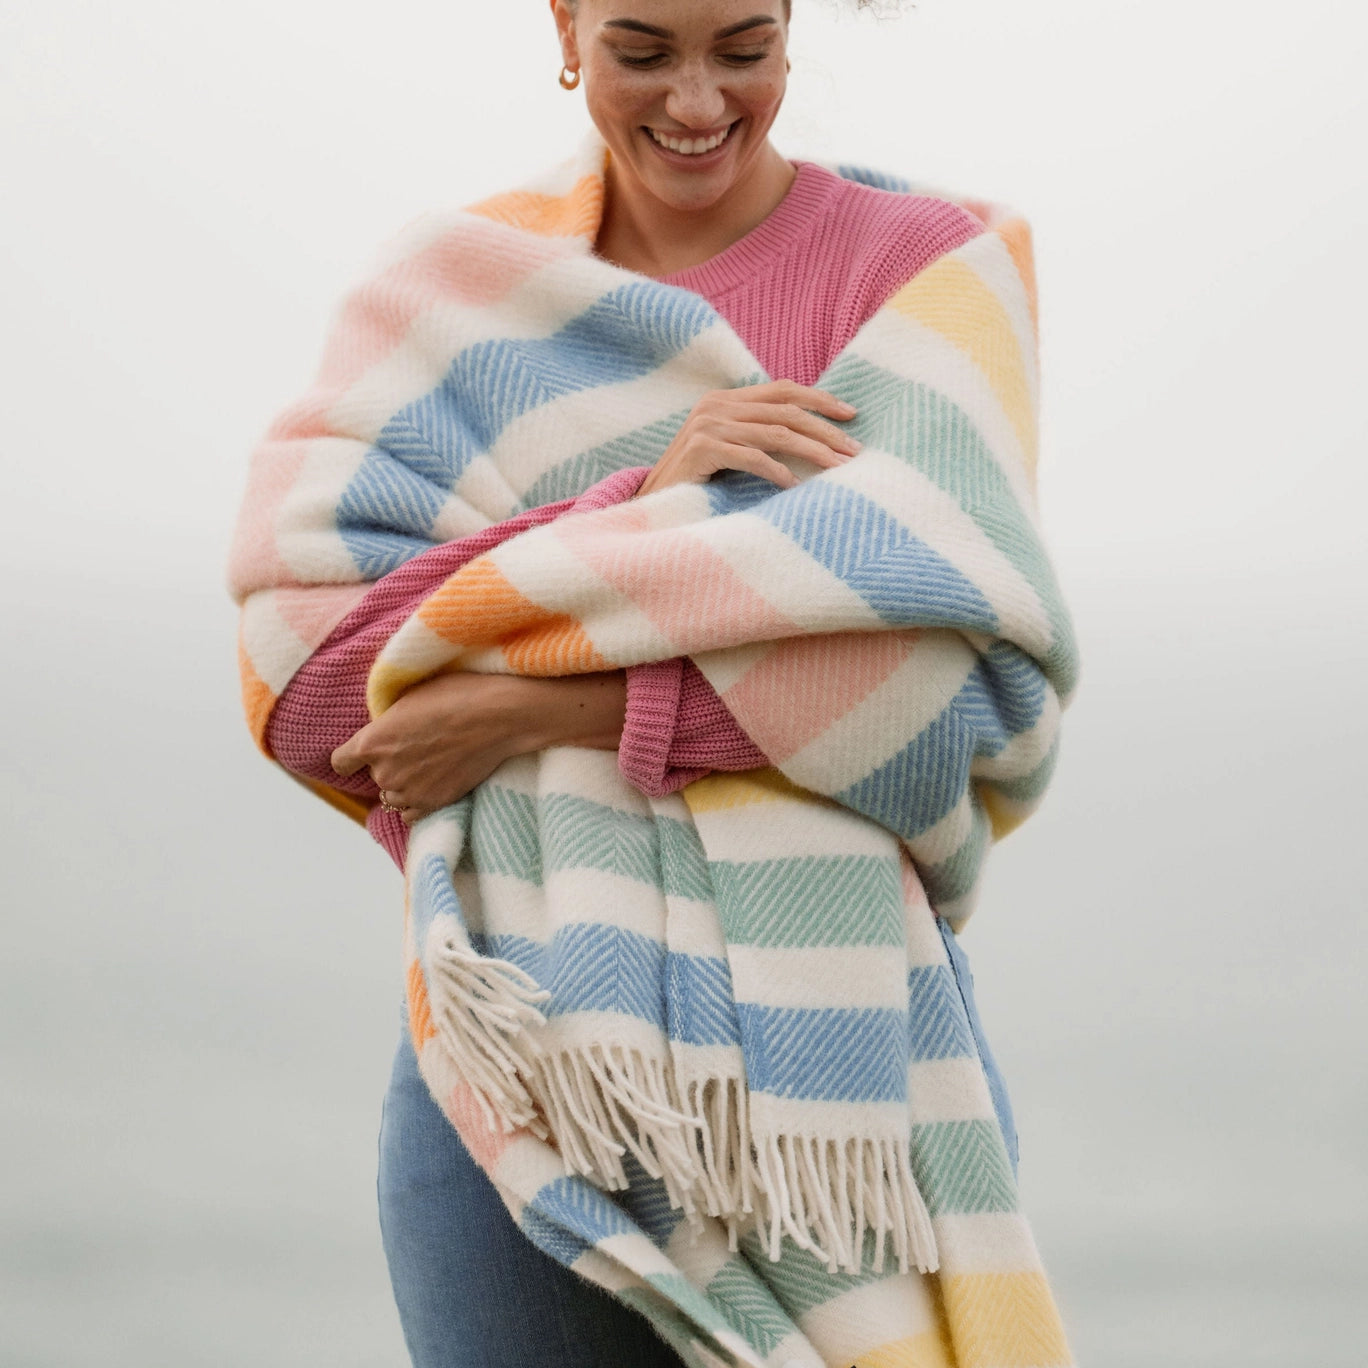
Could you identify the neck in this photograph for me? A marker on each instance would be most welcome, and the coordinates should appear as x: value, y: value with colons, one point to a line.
x: 642, y: 233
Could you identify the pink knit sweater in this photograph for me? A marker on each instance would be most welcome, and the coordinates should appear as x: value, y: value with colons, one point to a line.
x: 796, y: 289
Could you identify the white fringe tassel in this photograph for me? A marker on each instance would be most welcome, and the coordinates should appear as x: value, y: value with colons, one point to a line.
x: 481, y: 1009
x: 599, y: 1104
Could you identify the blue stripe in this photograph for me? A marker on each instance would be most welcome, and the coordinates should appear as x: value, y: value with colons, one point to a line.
x: 879, y: 180
x: 647, y: 1201
x: 937, y: 1025
x: 590, y: 967
x: 568, y: 1216
x: 826, y: 1053
x: 701, y: 1007
x: 897, y: 574
x: 626, y: 334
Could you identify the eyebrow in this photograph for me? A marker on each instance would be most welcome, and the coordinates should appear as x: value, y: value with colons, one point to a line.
x: 651, y: 31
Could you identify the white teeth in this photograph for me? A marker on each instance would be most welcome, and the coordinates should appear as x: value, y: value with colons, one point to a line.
x: 691, y: 147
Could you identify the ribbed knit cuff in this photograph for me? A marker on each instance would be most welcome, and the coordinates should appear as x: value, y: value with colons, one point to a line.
x: 677, y: 730
x: 649, y: 728
x: 390, y: 832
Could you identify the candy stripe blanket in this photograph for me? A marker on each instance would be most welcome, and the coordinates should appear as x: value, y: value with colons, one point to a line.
x: 709, y: 1047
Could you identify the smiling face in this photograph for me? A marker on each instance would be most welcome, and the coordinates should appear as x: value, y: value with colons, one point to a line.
x: 684, y: 92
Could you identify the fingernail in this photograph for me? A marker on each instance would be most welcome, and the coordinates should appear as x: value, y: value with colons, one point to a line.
x: 844, y: 407
x: 855, y: 446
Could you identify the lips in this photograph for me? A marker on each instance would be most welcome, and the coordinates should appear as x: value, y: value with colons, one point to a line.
x: 694, y: 145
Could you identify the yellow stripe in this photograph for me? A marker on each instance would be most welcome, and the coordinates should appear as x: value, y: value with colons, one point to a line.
x: 926, y: 1350
x: 951, y: 298
x: 1004, y: 1320
x: 721, y: 791
x: 1004, y: 816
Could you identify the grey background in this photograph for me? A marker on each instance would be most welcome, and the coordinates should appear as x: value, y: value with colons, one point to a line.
x: 200, y: 978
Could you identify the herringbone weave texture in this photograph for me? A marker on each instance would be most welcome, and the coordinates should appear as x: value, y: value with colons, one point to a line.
x: 710, y: 1047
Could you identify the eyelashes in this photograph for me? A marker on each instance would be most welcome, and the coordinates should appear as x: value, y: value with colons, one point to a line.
x: 655, y: 59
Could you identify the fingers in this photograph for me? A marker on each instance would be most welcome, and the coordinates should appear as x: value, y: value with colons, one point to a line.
x: 804, y: 396
x: 800, y: 421
x: 346, y: 759
x: 777, y: 439
x: 757, y: 462
x: 407, y: 811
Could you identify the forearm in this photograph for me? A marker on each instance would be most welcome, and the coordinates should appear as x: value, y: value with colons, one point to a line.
x: 575, y: 710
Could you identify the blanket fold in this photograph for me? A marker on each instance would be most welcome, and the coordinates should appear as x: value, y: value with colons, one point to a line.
x: 708, y: 1044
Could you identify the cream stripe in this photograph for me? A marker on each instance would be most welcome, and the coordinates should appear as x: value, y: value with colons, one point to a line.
x: 948, y: 1090
x: 852, y: 976
x: 986, y: 1242
x: 916, y: 693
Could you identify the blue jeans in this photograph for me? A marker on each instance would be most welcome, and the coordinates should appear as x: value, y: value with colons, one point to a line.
x: 473, y: 1291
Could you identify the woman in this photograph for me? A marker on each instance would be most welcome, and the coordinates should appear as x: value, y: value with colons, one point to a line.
x: 797, y: 260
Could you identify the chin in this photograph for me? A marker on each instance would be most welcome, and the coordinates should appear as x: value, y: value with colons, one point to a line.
x: 683, y: 189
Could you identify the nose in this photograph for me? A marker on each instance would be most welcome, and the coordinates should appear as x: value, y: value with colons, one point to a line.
x: 695, y: 99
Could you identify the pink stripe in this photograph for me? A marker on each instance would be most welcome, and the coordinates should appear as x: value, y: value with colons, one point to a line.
x: 255, y: 561
x: 460, y: 267
x: 801, y: 686
x: 687, y: 591
x: 485, y: 1143
x: 313, y: 613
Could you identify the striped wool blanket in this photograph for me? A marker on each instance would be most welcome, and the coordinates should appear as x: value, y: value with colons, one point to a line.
x: 709, y: 1046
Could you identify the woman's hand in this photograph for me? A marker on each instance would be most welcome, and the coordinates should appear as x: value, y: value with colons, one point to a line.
x: 744, y: 429
x: 448, y: 734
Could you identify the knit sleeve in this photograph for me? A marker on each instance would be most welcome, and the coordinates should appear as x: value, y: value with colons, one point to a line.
x: 678, y: 730
x: 325, y: 703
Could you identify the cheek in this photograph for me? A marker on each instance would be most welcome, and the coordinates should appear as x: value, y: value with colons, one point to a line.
x: 762, y: 95
x: 613, y: 100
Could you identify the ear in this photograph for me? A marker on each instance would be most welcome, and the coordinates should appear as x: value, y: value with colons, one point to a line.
x: 565, y: 27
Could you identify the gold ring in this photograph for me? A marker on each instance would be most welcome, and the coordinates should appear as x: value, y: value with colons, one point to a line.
x: 386, y: 805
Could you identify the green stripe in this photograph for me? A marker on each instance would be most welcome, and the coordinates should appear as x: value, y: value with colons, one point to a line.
x: 642, y: 446
x: 683, y: 862
x: 962, y: 1167
x: 801, y: 1280
x: 938, y: 438
x: 579, y: 834
x: 952, y: 878
x: 749, y: 1307
x: 503, y: 835
x: 671, y: 1324
x: 1026, y: 788
x: 807, y: 900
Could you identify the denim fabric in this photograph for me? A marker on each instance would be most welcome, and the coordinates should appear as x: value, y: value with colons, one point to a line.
x: 959, y: 962
x: 473, y: 1290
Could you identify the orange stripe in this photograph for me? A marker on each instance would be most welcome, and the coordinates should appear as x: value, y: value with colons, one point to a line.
x: 419, y: 1012
x: 1016, y: 233
x: 348, y: 804
x: 477, y: 606
x: 558, y: 646
x: 257, y: 699
x: 577, y: 214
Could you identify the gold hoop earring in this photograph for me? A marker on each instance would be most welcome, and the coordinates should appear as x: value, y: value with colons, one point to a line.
x: 569, y: 79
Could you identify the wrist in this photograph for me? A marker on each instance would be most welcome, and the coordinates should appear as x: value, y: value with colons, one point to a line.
x: 578, y: 710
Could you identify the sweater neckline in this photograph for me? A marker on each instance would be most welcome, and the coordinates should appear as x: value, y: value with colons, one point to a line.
x: 748, y: 256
